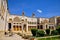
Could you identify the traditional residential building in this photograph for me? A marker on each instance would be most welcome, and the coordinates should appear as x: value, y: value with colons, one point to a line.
x: 21, y: 23
x: 55, y: 20
x: 15, y: 23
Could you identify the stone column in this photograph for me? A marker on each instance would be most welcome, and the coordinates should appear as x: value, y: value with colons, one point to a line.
x: 7, y: 27
x: 27, y: 28
x: 22, y: 28
x: 12, y: 27
x: 48, y: 26
x: 44, y: 27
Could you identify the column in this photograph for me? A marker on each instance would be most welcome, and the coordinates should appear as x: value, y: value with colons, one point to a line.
x: 22, y: 28
x: 27, y: 28
x: 12, y: 27
x: 48, y: 26
x: 44, y: 26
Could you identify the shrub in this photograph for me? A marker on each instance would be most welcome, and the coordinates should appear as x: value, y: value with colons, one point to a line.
x: 47, y: 31
x: 58, y: 30
x: 54, y: 32
x: 34, y: 32
x: 58, y: 27
x: 40, y: 33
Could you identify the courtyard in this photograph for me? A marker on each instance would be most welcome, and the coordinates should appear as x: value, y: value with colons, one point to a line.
x: 13, y: 37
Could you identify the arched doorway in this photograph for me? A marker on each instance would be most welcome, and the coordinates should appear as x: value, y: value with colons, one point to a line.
x: 38, y: 27
x: 41, y: 26
x: 9, y: 26
x: 24, y: 27
x: 46, y: 26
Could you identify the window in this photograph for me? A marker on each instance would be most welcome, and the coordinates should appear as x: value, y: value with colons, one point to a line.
x: 17, y: 23
x: 38, y: 26
x: 22, y: 20
x: 10, y: 19
x: 52, y: 27
x: 17, y: 28
x: 14, y: 23
x: 0, y: 14
x: 9, y: 26
x: 14, y: 28
x: 20, y: 27
x: 49, y: 27
x: 25, y: 19
x: 49, y: 21
x: 41, y: 26
x: 46, y: 26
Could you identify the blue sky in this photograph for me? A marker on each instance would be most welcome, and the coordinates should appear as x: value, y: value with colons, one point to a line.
x: 47, y: 8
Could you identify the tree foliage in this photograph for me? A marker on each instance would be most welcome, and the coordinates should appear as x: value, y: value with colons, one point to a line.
x: 34, y: 31
x: 47, y: 31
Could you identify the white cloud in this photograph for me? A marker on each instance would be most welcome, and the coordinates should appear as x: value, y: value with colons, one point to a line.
x: 40, y: 11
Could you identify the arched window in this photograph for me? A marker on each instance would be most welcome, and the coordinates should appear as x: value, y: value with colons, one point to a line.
x: 22, y: 20
x: 46, y: 26
x: 38, y: 26
x: 49, y: 27
x: 41, y: 26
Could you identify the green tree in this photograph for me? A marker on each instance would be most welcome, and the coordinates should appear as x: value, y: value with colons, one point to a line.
x: 58, y: 27
x: 58, y: 30
x: 47, y: 31
x: 40, y: 33
x: 54, y: 32
x: 34, y: 31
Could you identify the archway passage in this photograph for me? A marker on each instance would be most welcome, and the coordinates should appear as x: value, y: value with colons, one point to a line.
x: 17, y: 28
x: 24, y: 27
x: 9, y: 26
x: 38, y: 27
x: 41, y: 26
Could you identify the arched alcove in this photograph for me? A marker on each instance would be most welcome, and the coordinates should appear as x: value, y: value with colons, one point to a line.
x: 16, y: 19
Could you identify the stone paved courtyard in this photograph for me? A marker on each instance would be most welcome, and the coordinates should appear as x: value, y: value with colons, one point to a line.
x: 14, y: 37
